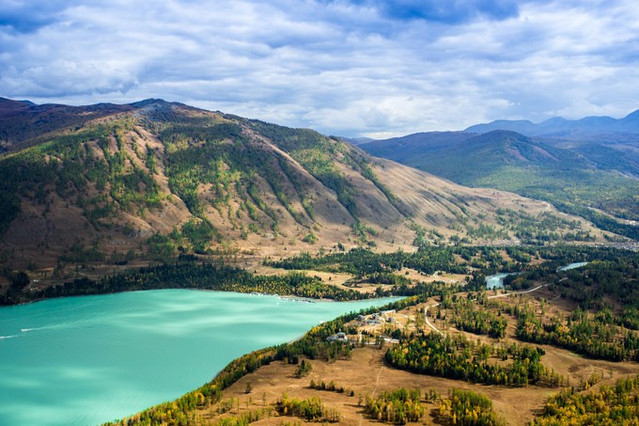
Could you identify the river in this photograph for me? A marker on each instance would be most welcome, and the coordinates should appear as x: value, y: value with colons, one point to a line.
x: 572, y: 266
x: 497, y: 281
x: 87, y: 360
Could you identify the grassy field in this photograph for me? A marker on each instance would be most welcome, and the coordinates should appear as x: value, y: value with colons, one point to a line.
x: 363, y: 373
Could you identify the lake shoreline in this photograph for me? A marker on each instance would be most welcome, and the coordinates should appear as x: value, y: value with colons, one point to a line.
x: 171, y: 322
x: 201, y: 276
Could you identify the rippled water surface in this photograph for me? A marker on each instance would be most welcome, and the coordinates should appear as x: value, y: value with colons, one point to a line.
x: 87, y: 360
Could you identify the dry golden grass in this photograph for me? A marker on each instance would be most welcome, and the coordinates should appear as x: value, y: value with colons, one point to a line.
x: 365, y: 373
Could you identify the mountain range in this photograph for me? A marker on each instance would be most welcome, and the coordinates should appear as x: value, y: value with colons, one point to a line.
x: 563, y: 128
x: 113, y: 184
x: 579, y: 171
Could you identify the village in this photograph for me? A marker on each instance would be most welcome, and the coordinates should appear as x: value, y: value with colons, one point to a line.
x: 379, y: 326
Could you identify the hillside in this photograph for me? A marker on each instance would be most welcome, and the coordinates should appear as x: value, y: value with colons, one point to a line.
x: 595, y: 179
x: 144, y: 182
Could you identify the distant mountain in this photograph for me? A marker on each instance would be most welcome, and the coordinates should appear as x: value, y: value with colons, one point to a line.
x: 356, y: 141
x: 109, y: 184
x: 560, y: 127
x: 596, y: 178
x: 404, y: 149
x: 466, y: 157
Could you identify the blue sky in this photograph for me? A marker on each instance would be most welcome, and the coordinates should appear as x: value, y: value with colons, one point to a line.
x: 345, y: 67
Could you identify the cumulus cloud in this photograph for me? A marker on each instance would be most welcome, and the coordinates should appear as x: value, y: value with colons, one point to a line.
x: 358, y: 67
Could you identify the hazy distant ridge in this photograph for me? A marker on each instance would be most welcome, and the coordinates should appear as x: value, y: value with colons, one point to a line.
x: 560, y: 127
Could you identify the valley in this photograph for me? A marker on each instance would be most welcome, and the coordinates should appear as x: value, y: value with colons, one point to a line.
x: 156, y: 195
x: 485, y: 355
x: 356, y: 212
x: 106, y: 188
x: 580, y: 171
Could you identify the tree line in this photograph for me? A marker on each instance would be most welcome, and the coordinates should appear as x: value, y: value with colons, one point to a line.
x: 456, y: 357
x: 610, y: 405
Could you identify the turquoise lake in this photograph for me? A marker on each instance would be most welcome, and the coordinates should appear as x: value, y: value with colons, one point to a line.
x: 88, y: 360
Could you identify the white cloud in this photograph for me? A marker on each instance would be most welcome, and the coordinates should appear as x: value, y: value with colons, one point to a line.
x: 350, y: 68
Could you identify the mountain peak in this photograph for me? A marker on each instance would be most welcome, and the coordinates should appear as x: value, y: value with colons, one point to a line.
x: 519, y: 126
x: 150, y: 101
x: 632, y: 117
x: 507, y: 134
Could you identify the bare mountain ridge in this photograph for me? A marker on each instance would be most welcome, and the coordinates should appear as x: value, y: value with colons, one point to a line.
x: 152, y: 179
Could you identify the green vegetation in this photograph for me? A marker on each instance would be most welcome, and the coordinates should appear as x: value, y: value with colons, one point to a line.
x: 543, y: 228
x: 458, y: 358
x: 79, y: 254
x: 321, y: 156
x: 575, y: 180
x: 246, y: 418
x: 596, y: 335
x: 303, y: 369
x: 575, y: 192
x: 615, y: 277
x: 399, y: 407
x: 458, y: 260
x: 317, y: 154
x: 160, y: 248
x: 451, y: 356
x: 311, y: 409
x: 467, y: 408
x: 609, y: 287
x: 330, y: 387
x: 465, y: 315
x: 194, y: 276
x: 219, y: 155
x: 69, y: 166
x: 9, y: 207
x: 384, y: 277
x: 310, y: 238
x: 611, y: 405
x: 199, y: 234
x: 212, y: 163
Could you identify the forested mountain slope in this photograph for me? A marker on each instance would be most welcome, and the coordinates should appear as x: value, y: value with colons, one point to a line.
x: 147, y: 181
x: 595, y: 178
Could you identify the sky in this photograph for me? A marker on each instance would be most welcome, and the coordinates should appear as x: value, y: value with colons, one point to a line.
x: 373, y: 68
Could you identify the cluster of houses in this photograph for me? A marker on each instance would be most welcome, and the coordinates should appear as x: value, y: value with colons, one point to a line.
x: 338, y: 337
x: 377, y: 318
